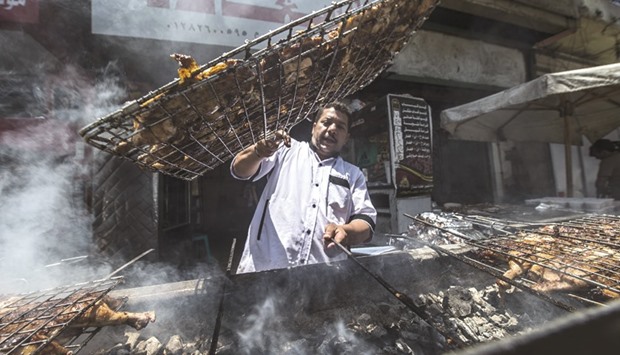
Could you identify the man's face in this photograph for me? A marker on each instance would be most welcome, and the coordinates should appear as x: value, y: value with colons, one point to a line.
x: 330, y: 133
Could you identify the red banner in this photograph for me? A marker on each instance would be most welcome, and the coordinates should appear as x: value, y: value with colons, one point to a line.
x: 21, y: 11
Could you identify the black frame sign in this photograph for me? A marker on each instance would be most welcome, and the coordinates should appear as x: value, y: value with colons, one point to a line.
x: 411, y: 136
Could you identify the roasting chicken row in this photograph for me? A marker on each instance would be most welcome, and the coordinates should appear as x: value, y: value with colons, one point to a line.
x: 25, y: 327
x: 557, y: 262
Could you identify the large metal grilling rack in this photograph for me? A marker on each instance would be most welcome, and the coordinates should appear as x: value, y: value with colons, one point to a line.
x: 30, y: 322
x: 580, y: 255
x: 189, y: 127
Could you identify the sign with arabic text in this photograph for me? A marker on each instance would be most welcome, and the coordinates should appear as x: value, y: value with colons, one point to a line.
x: 410, y: 118
x: 215, y: 22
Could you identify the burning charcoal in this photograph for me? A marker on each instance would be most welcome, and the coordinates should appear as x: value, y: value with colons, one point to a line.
x: 118, y: 349
x: 504, y: 320
x: 403, y: 347
x: 150, y: 346
x: 413, y: 337
x: 364, y: 319
x: 299, y: 346
x: 334, y: 345
x: 132, y: 339
x: 376, y: 331
x: 468, y: 332
x: 384, y: 307
x: 174, y: 346
x: 458, y: 302
x: 435, y: 310
x: 224, y: 350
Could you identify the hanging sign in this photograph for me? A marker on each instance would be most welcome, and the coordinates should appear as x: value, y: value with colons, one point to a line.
x: 410, y: 119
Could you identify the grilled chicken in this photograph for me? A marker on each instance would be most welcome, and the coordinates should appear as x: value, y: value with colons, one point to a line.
x: 559, y: 264
x: 28, y: 325
x: 213, y: 113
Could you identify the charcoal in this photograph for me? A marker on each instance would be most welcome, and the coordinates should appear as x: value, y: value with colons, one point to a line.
x: 299, y: 346
x: 458, y: 302
x: 174, y: 346
x: 132, y: 339
x: 150, y: 346
x: 118, y: 349
x: 403, y: 347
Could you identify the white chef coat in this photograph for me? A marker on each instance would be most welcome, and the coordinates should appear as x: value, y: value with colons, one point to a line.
x: 302, y: 195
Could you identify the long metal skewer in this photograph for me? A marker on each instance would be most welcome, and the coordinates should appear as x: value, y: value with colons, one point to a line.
x: 128, y: 263
x: 403, y: 298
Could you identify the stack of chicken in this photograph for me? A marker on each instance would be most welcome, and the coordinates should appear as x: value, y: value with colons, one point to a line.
x: 211, y: 114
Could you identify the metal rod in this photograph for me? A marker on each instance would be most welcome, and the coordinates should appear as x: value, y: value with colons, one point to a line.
x: 220, y: 309
x: 403, y: 298
x: 480, y: 266
x: 128, y: 263
x: 606, y: 270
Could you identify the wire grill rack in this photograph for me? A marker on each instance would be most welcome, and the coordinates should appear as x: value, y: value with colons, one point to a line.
x: 580, y: 255
x: 30, y: 323
x: 191, y: 126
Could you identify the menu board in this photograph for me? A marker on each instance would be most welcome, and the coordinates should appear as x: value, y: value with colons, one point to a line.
x: 411, y: 133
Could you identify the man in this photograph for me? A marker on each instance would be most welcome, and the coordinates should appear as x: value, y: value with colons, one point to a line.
x: 312, y: 196
x: 608, y: 178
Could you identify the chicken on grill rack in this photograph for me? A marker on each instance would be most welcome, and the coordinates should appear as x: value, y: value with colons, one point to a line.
x: 43, y: 327
x: 213, y: 111
x: 559, y: 259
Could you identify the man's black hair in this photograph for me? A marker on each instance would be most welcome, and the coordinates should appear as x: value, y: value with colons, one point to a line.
x: 338, y: 106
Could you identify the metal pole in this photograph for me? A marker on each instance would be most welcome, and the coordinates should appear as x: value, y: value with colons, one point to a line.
x: 220, y: 310
x: 567, y: 112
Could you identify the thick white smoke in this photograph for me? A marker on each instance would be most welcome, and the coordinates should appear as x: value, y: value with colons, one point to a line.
x: 44, y: 225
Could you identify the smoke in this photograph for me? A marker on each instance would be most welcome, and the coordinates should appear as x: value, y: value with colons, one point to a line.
x: 268, y: 331
x: 45, y: 236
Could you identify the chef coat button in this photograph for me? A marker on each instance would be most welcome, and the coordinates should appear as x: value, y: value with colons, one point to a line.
x: 320, y: 164
x: 308, y: 231
x: 317, y: 185
x: 314, y: 206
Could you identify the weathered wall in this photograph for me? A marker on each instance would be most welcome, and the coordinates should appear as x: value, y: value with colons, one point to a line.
x: 562, y: 7
x: 439, y: 57
x: 550, y: 16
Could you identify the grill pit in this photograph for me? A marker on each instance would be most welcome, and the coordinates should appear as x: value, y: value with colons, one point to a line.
x: 338, y: 309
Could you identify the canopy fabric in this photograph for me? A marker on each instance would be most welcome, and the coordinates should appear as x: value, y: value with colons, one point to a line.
x: 534, y: 111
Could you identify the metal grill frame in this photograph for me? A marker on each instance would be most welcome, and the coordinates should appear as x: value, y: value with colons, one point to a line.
x: 504, y: 237
x: 40, y: 311
x: 219, y: 139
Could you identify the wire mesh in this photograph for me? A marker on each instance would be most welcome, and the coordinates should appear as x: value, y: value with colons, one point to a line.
x: 579, y: 255
x: 191, y: 126
x: 31, y: 323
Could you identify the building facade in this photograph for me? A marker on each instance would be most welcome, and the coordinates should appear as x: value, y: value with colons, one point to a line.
x: 78, y: 60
